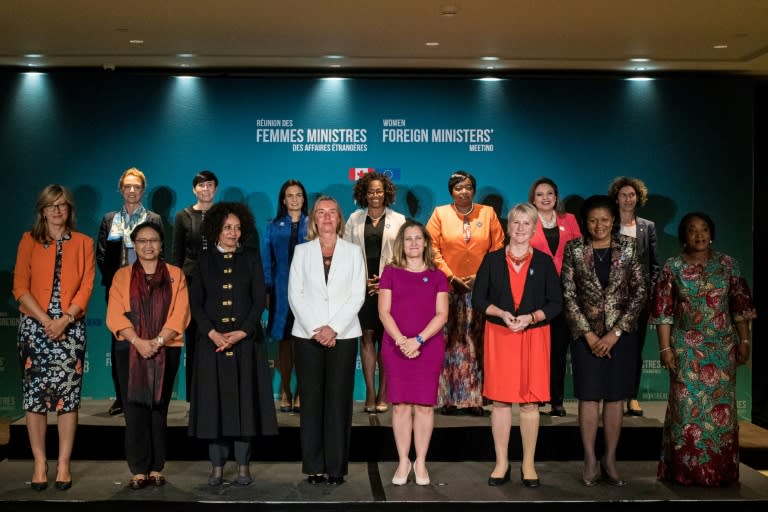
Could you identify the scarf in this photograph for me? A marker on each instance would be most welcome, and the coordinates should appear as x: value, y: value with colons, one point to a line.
x: 123, y: 224
x: 150, y: 303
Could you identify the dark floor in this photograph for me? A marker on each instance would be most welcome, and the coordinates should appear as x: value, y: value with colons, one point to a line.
x: 459, y: 479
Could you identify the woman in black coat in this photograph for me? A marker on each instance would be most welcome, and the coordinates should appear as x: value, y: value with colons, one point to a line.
x: 232, y: 390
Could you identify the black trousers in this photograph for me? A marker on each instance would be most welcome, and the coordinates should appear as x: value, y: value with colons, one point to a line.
x: 326, y: 379
x: 145, y: 427
x: 560, y: 341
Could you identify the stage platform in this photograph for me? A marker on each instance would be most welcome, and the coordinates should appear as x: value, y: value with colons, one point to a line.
x: 460, y: 461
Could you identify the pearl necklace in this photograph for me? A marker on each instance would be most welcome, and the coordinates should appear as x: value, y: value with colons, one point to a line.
x: 548, y: 224
x: 376, y: 219
x: 463, y: 213
x: 420, y: 269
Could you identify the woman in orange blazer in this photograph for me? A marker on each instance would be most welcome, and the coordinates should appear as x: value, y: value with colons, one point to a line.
x: 148, y: 310
x: 52, y: 282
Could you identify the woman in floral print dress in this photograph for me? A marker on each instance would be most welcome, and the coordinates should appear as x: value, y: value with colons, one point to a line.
x: 52, y: 282
x: 702, y: 308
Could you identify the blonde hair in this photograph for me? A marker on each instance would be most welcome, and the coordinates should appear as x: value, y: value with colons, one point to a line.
x: 133, y: 171
x: 312, y: 227
x: 523, y: 209
x: 48, y: 196
x: 398, y: 248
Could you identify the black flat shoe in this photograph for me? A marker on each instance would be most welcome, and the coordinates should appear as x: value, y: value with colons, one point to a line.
x: 529, y: 482
x: 115, y: 409
x: 558, y: 411
x: 449, y: 410
x: 316, y: 479
x: 63, y: 485
x: 335, y: 480
x: 494, y: 481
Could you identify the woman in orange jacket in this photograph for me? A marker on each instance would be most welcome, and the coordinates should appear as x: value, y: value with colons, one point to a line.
x: 52, y: 282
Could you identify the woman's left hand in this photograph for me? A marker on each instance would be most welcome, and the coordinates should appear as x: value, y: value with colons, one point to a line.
x: 231, y: 339
x: 410, y: 348
x: 56, y: 327
x: 604, y: 345
x: 325, y: 336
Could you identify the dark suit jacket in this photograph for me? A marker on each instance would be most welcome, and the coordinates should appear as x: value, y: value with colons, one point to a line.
x: 109, y: 252
x: 589, y: 307
x: 542, y: 287
x: 646, y: 250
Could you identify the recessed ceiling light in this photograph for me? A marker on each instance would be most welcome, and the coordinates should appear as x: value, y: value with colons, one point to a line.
x: 490, y: 79
x: 639, y: 59
x: 185, y: 65
x: 186, y: 55
x: 640, y: 79
x: 720, y: 46
x: 489, y: 58
x: 334, y: 57
x: 489, y: 67
x: 641, y: 69
x: 335, y: 65
x: 34, y: 55
x: 449, y: 11
x: 136, y: 41
x: 432, y: 43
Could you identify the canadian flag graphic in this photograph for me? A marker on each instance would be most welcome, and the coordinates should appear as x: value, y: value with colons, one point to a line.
x: 355, y: 173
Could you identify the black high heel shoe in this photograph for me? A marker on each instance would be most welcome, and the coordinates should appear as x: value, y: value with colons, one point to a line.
x: 529, y: 482
x: 494, y: 481
x: 616, y: 482
x: 41, y: 486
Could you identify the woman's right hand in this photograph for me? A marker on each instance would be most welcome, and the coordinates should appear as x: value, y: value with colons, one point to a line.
x: 146, y: 348
x: 217, y: 338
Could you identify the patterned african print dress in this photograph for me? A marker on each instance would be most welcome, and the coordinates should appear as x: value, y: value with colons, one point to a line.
x: 700, y: 443
x: 52, y: 370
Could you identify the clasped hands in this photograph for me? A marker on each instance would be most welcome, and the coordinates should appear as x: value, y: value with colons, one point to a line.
x: 409, y: 347
x: 516, y: 323
x: 54, y: 327
x: 225, y: 340
x: 601, y: 346
x: 372, y: 285
x: 325, y: 336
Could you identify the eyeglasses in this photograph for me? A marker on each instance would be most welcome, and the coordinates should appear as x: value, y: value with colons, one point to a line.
x: 145, y: 241
x: 375, y: 193
x: 58, y: 207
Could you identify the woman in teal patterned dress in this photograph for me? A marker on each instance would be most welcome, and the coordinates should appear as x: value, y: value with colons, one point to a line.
x: 702, y: 309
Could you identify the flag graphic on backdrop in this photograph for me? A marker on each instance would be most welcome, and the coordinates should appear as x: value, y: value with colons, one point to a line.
x: 355, y: 173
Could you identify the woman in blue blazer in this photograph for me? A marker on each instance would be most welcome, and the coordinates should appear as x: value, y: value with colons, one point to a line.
x: 287, y: 230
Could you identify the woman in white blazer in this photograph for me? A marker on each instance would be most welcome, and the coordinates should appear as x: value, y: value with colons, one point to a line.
x: 326, y: 288
x: 374, y: 228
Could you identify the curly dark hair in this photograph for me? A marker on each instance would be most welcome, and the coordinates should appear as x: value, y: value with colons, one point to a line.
x: 682, y: 228
x: 625, y: 181
x: 360, y: 192
x: 215, y: 216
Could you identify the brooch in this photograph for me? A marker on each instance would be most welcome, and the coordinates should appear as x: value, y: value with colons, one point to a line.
x: 282, y: 223
x: 530, y: 271
x: 425, y: 279
x: 479, y: 224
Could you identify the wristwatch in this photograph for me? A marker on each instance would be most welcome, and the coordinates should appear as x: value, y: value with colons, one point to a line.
x: 420, y: 340
x: 617, y: 332
x: 160, y: 341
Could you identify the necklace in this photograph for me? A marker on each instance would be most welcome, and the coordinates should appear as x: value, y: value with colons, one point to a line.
x: 461, y: 212
x: 521, y: 259
x: 419, y: 269
x: 600, y: 254
x: 376, y: 219
x: 548, y: 224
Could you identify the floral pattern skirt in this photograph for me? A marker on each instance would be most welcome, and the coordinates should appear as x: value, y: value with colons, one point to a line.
x: 52, y: 370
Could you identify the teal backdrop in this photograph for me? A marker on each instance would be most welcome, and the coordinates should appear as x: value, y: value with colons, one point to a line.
x: 689, y: 138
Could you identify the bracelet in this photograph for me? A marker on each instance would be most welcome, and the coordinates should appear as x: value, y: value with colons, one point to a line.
x: 665, y: 349
x: 533, y: 318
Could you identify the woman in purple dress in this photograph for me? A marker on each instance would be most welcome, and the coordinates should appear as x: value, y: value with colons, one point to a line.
x: 413, y: 307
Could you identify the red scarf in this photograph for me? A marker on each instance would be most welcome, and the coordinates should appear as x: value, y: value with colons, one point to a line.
x: 150, y: 302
